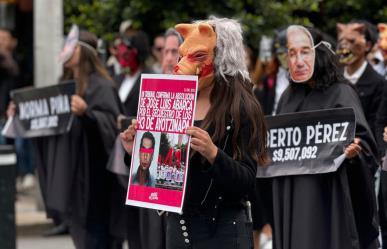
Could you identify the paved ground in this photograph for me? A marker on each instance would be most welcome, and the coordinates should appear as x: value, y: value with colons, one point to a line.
x: 31, y: 222
x: 39, y: 242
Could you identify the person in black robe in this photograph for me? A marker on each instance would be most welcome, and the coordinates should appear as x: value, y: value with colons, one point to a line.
x: 228, y: 142
x: 381, y: 124
x: 334, y: 210
x: 127, y: 222
x: 71, y: 167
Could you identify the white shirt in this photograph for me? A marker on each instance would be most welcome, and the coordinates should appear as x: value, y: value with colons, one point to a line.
x: 356, y: 75
x: 127, y: 86
x: 280, y: 86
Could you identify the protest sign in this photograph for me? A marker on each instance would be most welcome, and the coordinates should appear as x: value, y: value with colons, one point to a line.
x: 41, y: 111
x: 159, y: 163
x: 308, y: 142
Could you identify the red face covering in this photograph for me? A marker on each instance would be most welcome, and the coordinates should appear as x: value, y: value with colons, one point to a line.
x: 127, y: 57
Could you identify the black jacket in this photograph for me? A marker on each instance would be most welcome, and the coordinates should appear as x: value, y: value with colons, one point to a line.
x: 370, y: 89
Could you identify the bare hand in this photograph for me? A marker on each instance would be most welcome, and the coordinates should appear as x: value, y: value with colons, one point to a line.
x: 202, y: 143
x: 127, y: 137
x: 385, y: 134
x: 353, y: 149
x: 78, y: 105
x: 11, y: 109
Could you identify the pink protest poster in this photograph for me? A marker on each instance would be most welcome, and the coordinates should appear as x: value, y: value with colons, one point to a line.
x: 159, y: 165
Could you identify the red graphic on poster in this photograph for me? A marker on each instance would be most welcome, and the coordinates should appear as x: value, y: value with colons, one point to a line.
x: 160, y: 155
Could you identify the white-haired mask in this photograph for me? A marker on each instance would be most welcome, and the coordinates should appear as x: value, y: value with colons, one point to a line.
x: 301, y: 53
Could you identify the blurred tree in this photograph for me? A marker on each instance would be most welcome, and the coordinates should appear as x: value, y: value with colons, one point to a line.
x: 258, y: 17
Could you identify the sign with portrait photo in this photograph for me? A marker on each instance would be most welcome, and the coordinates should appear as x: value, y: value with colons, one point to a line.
x: 310, y: 142
x: 159, y: 165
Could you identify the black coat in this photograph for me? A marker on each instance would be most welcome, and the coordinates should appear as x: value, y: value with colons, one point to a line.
x: 334, y: 210
x: 370, y: 89
x: 381, y: 121
x: 266, y: 95
x: 71, y: 167
x: 131, y: 102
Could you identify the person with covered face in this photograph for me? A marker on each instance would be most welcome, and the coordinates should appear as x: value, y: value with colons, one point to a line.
x: 228, y: 139
x: 71, y: 166
x: 355, y: 41
x: 333, y: 210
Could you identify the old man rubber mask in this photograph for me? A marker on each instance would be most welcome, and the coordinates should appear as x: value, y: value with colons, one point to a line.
x: 197, y: 52
x: 301, y: 53
x: 352, y: 44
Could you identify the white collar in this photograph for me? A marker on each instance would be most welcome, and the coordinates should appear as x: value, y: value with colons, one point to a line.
x: 353, y: 78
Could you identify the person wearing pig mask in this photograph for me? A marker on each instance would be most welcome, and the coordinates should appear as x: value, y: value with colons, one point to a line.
x: 228, y: 140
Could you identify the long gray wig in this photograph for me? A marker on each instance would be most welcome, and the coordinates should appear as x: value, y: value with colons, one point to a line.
x: 230, y: 52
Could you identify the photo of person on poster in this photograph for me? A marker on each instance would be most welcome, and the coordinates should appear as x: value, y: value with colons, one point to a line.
x: 143, y: 175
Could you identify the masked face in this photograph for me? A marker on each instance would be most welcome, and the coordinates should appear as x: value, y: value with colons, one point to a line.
x: 352, y: 45
x: 301, y: 53
x: 70, y: 45
x: 382, y: 42
x: 127, y: 57
x: 197, y: 52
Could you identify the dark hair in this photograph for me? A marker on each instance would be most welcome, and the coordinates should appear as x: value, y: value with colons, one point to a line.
x: 370, y: 33
x: 173, y: 32
x: 234, y: 99
x: 327, y: 69
x: 150, y: 136
x: 140, y: 42
x: 89, y: 62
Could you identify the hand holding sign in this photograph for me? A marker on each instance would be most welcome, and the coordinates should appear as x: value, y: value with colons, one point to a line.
x: 353, y: 149
x: 202, y: 143
x: 78, y: 105
x: 127, y: 137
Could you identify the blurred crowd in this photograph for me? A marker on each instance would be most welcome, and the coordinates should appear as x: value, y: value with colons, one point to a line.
x: 97, y: 217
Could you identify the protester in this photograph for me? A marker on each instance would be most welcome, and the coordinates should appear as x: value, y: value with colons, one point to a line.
x: 10, y: 76
x: 333, y: 210
x: 355, y: 41
x: 171, y: 50
x: 71, y: 166
x: 156, y: 59
x: 9, y: 71
x: 381, y: 137
x: 228, y: 140
x: 127, y: 222
x: 112, y: 63
x: 382, y: 43
x: 276, y: 80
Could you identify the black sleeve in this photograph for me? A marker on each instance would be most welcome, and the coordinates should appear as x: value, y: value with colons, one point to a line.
x: 381, y: 121
x: 127, y: 159
x: 101, y: 113
x: 235, y: 177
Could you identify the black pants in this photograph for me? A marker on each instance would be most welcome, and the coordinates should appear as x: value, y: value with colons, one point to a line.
x: 229, y: 229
